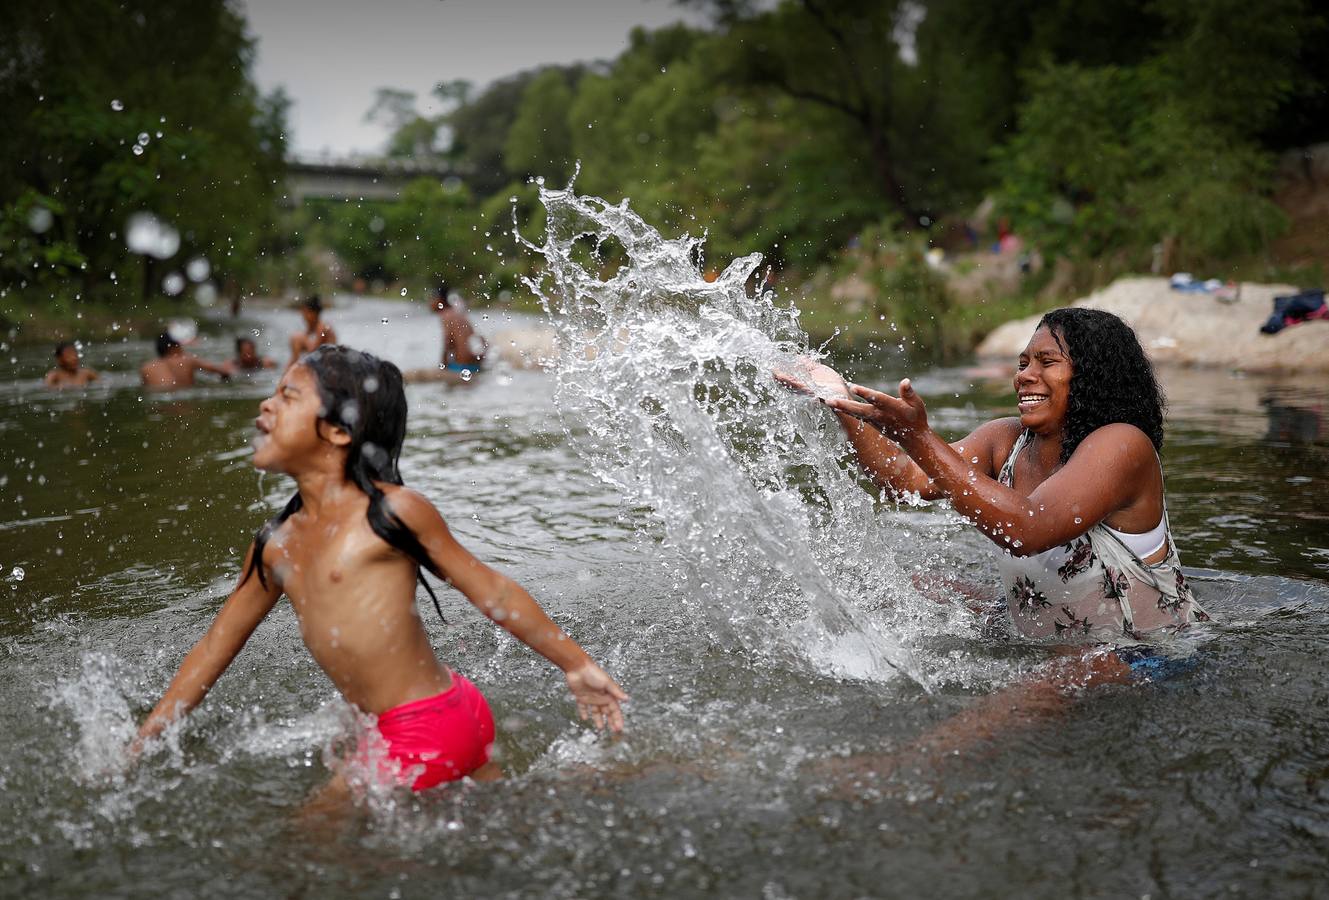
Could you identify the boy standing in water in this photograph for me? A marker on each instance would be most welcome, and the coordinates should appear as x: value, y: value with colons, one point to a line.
x: 317, y: 333
x: 458, y: 335
x: 347, y: 550
x: 174, y: 368
x: 69, y: 370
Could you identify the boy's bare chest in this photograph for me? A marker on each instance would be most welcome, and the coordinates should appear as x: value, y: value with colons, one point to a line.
x: 325, y: 562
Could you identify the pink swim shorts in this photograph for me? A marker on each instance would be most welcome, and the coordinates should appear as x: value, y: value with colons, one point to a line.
x: 449, y: 734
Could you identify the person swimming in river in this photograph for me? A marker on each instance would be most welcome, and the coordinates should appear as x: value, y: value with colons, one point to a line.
x: 463, y: 349
x: 69, y: 370
x: 317, y: 333
x: 247, y: 358
x: 1071, y: 490
x: 174, y: 368
x: 347, y: 551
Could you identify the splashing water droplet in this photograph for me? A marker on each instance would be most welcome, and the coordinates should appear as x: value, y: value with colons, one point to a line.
x: 465, y: 374
x: 1078, y: 520
x: 198, y: 269
x: 137, y: 149
x: 403, y: 292
x: 173, y: 284
x: 117, y: 105
x: 383, y: 321
x: 143, y: 138
x: 147, y: 235
x: 17, y: 573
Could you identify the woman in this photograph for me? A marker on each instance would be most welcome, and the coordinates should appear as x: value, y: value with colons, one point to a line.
x: 1071, y: 489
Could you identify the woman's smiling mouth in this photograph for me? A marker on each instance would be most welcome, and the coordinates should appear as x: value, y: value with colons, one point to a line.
x: 1028, y: 401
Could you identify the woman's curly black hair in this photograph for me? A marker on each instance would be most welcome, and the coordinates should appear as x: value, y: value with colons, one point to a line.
x: 1112, y: 379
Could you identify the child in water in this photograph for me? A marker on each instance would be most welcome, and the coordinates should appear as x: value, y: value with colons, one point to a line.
x: 347, y: 550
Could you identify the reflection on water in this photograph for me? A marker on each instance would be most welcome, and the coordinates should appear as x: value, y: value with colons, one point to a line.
x: 128, y: 514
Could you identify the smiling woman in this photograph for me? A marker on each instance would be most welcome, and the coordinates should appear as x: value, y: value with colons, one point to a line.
x: 1071, y: 490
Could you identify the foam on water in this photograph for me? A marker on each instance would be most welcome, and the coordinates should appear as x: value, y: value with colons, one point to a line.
x: 665, y: 389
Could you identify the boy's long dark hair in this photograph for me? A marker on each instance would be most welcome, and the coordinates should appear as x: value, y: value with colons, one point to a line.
x: 363, y: 395
x: 1112, y: 379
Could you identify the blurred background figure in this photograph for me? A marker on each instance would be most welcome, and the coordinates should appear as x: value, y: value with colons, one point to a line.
x: 174, y: 368
x: 69, y: 370
x: 316, y: 333
x: 247, y: 358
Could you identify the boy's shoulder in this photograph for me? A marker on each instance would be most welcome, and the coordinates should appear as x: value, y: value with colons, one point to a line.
x: 407, y: 503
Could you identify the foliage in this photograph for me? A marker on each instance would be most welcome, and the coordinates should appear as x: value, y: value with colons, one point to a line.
x: 85, y: 84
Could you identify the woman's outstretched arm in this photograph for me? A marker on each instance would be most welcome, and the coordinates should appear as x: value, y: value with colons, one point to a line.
x: 1102, y: 476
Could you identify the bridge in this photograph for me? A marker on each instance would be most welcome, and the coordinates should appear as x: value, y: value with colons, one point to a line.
x: 357, y: 178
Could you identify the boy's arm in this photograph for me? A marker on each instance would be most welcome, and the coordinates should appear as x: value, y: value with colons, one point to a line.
x: 508, y: 603
x: 214, y: 368
x: 204, y: 664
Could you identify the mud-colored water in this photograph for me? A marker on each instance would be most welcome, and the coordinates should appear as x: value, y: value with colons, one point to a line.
x: 694, y: 529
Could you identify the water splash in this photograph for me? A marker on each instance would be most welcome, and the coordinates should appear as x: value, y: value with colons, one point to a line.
x: 664, y: 388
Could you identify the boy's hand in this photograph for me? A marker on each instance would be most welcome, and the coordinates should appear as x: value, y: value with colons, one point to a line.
x: 597, y: 696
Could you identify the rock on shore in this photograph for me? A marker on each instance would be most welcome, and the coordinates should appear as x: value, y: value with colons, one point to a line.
x: 1178, y: 328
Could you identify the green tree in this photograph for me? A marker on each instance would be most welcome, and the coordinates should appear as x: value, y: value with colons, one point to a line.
x: 539, y: 142
x: 179, y: 132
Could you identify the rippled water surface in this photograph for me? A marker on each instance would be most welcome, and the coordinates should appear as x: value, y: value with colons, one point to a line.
x: 777, y: 742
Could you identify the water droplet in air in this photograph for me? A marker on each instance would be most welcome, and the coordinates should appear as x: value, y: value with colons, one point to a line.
x: 148, y: 235
x: 173, y: 284
x: 198, y: 269
x: 117, y: 105
x: 403, y: 292
x: 138, y: 149
x: 18, y: 574
x: 40, y: 219
x: 1078, y: 520
x: 143, y: 138
x: 384, y: 320
x: 465, y: 374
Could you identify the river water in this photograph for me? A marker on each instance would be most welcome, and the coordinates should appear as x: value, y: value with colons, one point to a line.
x: 783, y: 672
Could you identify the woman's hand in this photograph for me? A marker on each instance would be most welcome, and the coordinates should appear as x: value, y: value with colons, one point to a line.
x: 807, y: 376
x: 898, y: 417
x: 597, y: 696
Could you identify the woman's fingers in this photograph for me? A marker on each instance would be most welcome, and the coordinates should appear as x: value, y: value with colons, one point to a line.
x: 862, y: 410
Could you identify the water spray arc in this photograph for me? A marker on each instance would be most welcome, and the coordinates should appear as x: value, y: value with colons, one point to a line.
x: 664, y: 387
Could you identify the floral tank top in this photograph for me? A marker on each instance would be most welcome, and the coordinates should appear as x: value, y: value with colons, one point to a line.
x: 1095, y: 588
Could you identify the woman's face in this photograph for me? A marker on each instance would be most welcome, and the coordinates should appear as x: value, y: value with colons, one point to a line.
x: 1043, y: 383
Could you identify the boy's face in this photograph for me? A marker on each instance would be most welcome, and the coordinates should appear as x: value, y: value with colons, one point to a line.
x: 289, y: 429
x: 247, y: 351
x: 309, y: 315
x: 68, y: 359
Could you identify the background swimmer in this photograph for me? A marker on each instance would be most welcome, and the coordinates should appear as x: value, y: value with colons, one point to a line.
x: 174, y: 368
x: 69, y: 370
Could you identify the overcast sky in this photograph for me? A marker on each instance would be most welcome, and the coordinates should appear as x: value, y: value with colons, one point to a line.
x: 331, y: 55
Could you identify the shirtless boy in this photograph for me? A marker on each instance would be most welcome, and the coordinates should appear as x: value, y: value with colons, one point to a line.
x: 317, y: 333
x: 69, y: 370
x: 247, y: 358
x: 459, y: 337
x: 347, y: 551
x: 174, y: 368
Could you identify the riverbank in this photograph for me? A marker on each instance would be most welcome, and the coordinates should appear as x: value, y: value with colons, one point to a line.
x: 1193, y: 329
